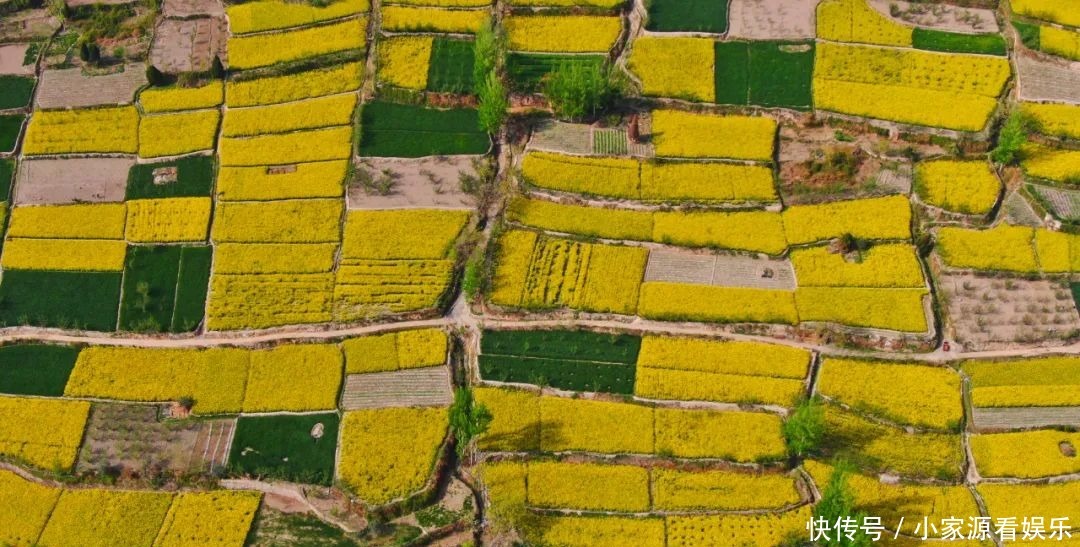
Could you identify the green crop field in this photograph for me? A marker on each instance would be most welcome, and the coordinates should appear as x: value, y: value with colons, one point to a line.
x: 527, y: 70
x: 194, y: 177
x: 572, y: 360
x: 191, y: 287
x: 407, y: 131
x: 149, y: 294
x: 282, y: 447
x: 35, y: 369
x: 451, y: 66
x: 688, y: 16
x: 9, y: 131
x: 15, y: 91
x: 951, y: 42
x: 87, y: 300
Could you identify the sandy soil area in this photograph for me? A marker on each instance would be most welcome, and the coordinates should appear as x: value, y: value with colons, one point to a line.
x: 704, y: 268
x: 11, y: 59
x: 188, y: 45
x: 1046, y: 79
x: 192, y: 8
x: 69, y: 87
x: 27, y: 25
x: 939, y: 16
x: 422, y: 182
x: 72, y: 180
x: 771, y: 19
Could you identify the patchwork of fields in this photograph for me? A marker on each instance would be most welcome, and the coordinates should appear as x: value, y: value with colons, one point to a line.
x: 538, y: 272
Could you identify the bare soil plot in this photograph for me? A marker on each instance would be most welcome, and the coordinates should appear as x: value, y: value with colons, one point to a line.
x: 11, y: 59
x: 843, y: 162
x: 939, y: 16
x: 1019, y: 212
x: 72, y: 180
x: 192, y: 8
x: 70, y: 88
x: 25, y: 25
x: 1063, y: 204
x: 399, y: 183
x: 997, y: 419
x: 428, y: 386
x: 187, y: 45
x: 994, y: 313
x: 555, y: 136
x: 133, y: 440
x: 772, y: 19
x: 1047, y: 79
x: 719, y: 270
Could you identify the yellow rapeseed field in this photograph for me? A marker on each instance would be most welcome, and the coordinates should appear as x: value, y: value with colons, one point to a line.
x: 690, y: 135
x: 218, y: 517
x: 1059, y: 120
x: 600, y: 176
x: 588, y: 486
x: 706, y: 181
x: 723, y: 356
x: 402, y: 233
x: 269, y: 300
x: 264, y: 258
x: 515, y: 423
x: 177, y: 133
x: 78, y: 221
x: 331, y: 143
x: 761, y: 231
x: 907, y: 393
x: 45, y: 433
x: 681, y: 68
x: 879, y: 448
x: 1059, y: 41
x: 911, y: 502
x: 682, y: 490
x: 89, y: 255
x: 1024, y: 454
x: 870, y: 218
x: 1053, y: 381
x: 96, y: 517
x: 890, y: 309
x: 953, y: 91
x: 410, y: 19
x: 613, y: 279
x: 749, y: 530
x: 692, y: 385
x: 857, y: 21
x: 268, y: 49
x: 282, y: 118
x: 445, y: 3
x: 562, y: 33
x: 111, y: 129
x: 403, y: 61
x: 215, y: 378
x: 686, y: 302
x: 969, y: 187
x: 1007, y: 248
x: 292, y: 221
x: 737, y: 436
x: 891, y: 265
x: 324, y: 179
x: 1048, y: 501
x: 1058, y: 165
x: 275, y: 14
x: 606, y: 530
x: 595, y: 426
x: 1053, y: 250
x: 175, y: 98
x: 168, y: 220
x: 389, y: 453
x: 582, y: 220
x: 294, y: 87
x: 298, y: 378
x: 512, y: 259
x: 1056, y: 11
x: 24, y: 510
x: 395, y: 351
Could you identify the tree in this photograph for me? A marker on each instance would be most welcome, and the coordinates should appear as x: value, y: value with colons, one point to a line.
x: 804, y: 428
x: 837, y: 501
x: 154, y: 76
x: 578, y: 90
x: 467, y: 419
x: 488, y: 52
x: 1011, y: 139
x: 493, y: 103
x: 217, y: 70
